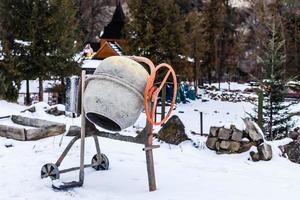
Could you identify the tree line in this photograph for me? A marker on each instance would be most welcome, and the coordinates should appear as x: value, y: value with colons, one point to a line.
x: 39, y: 40
x: 259, y: 42
x: 205, y: 41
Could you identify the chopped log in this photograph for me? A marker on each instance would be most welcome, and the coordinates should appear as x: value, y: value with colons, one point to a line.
x: 214, y: 131
x: 211, y: 142
x: 237, y: 135
x: 33, y: 122
x: 37, y: 129
x: 12, y: 132
x: 224, y: 133
x: 225, y: 145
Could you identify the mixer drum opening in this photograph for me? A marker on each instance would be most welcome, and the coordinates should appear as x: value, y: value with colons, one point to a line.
x: 103, y: 121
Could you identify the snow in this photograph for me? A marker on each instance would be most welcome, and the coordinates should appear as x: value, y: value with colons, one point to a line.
x: 34, y: 85
x: 182, y: 172
x: 231, y: 85
x: 240, y: 3
x: 90, y: 63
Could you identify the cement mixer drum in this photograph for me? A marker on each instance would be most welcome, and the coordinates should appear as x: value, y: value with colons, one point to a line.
x: 113, y: 98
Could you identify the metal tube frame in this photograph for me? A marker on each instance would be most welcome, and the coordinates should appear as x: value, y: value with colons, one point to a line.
x: 148, y: 146
x: 82, y: 136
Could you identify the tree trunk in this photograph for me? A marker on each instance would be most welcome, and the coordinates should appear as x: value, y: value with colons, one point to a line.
x: 271, y: 118
x: 63, y: 94
x: 27, y: 101
x: 260, y: 109
x: 41, y: 90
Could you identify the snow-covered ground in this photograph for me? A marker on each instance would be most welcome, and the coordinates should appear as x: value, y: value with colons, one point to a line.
x: 182, y: 172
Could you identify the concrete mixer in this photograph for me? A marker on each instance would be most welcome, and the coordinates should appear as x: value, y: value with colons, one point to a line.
x: 113, y: 98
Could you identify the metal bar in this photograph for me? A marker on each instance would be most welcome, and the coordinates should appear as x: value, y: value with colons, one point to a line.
x: 65, y: 152
x: 113, y: 136
x: 149, y: 155
x: 151, y: 147
x: 99, y: 157
x: 3, y: 117
x: 76, y: 168
x: 163, y: 102
x: 201, y: 123
x: 83, y: 128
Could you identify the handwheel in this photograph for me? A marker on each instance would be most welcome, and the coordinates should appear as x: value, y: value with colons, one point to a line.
x: 151, y: 93
x: 100, y: 163
x: 50, y: 170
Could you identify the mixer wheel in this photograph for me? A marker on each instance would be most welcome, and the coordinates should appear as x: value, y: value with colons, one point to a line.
x: 100, y: 163
x: 50, y: 170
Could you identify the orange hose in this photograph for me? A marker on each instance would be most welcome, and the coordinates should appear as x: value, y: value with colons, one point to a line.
x: 151, y: 92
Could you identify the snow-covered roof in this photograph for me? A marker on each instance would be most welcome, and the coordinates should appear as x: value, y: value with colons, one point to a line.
x: 89, y: 63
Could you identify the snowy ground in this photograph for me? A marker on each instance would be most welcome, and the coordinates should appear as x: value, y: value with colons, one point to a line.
x: 182, y: 172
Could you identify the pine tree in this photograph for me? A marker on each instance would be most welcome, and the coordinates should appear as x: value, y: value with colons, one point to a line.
x: 194, y: 44
x: 155, y: 30
x: 39, y: 38
x: 220, y: 38
x: 276, y: 117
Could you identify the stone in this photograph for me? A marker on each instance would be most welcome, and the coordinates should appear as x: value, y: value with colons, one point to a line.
x: 234, y: 146
x: 254, y: 156
x: 291, y: 151
x: 211, y: 142
x: 31, y: 109
x: 54, y: 111
x: 265, y: 152
x: 213, y: 131
x: 224, y: 133
x: 294, y: 135
x: 173, y: 131
x: 225, y: 145
x: 237, y: 135
x: 245, y: 146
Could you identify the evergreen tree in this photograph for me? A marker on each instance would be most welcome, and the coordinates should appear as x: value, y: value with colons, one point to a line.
x: 220, y: 38
x: 39, y: 38
x: 194, y: 44
x: 276, y: 117
x: 155, y: 30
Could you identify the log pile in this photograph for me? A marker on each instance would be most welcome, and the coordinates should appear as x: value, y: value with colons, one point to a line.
x: 232, y: 140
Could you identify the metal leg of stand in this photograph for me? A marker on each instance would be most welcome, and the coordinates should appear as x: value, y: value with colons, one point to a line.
x: 97, y: 147
x: 149, y: 157
x: 67, y: 185
x: 83, y: 128
x: 65, y: 152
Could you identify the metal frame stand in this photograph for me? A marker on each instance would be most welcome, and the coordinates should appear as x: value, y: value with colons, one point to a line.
x: 88, y: 129
x: 51, y: 170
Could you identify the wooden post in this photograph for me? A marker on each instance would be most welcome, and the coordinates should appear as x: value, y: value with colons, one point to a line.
x: 163, y: 102
x: 149, y: 155
x: 201, y: 123
x: 83, y: 128
x: 260, y: 109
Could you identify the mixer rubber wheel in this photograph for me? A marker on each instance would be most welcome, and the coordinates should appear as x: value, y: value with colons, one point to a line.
x: 50, y: 170
x: 103, y: 164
